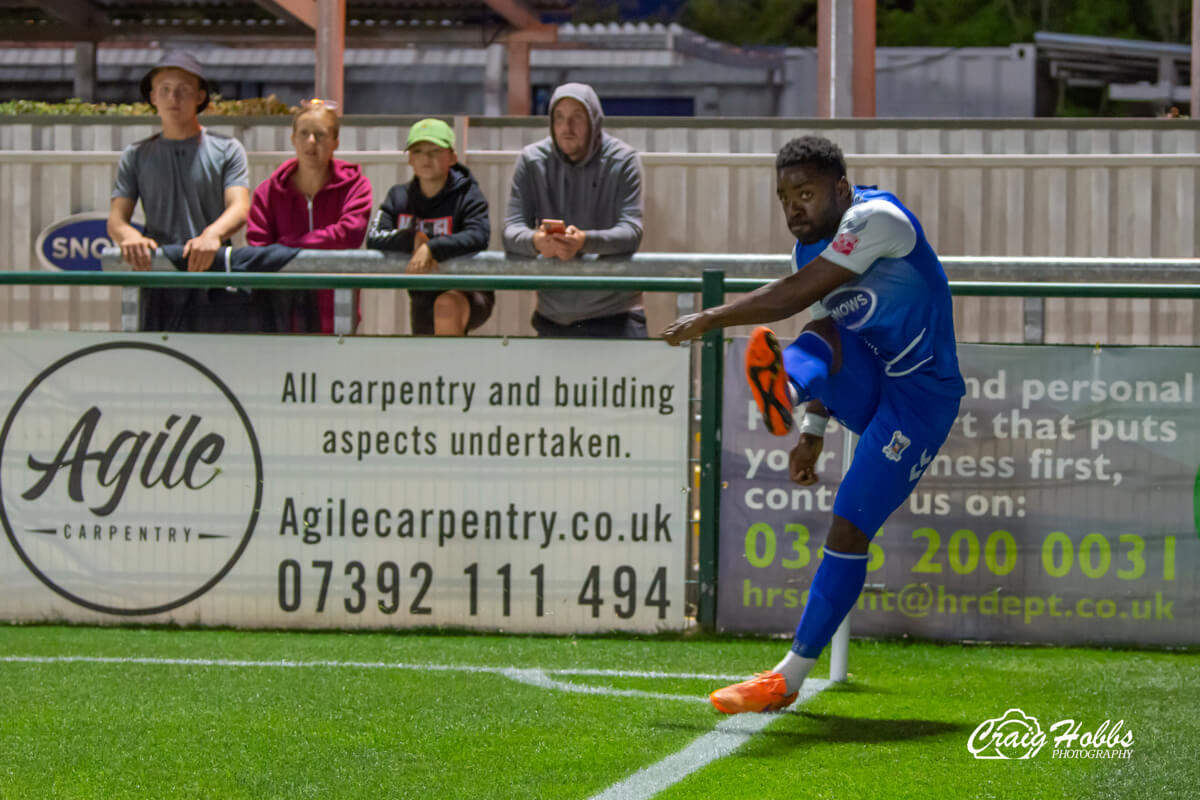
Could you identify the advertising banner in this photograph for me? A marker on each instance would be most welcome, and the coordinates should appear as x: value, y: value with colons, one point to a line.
x: 75, y: 243
x: 1062, y: 509
x: 524, y: 485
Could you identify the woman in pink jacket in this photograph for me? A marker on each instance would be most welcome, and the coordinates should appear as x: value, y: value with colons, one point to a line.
x: 312, y: 201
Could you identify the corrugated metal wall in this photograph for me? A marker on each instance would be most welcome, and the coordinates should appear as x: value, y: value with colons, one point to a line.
x: 983, y: 190
x: 621, y: 63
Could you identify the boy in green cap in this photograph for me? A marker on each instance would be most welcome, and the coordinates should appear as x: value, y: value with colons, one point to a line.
x: 441, y: 213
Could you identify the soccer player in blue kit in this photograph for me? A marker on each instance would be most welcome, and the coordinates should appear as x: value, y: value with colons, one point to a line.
x: 879, y: 355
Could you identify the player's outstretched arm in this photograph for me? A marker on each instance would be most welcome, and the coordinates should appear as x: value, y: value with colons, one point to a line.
x: 775, y: 301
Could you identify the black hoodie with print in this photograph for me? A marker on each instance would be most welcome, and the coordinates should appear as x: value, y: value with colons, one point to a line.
x: 455, y: 219
x: 457, y: 224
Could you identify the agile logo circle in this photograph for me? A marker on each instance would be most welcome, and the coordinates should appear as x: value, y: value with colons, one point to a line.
x: 130, y: 478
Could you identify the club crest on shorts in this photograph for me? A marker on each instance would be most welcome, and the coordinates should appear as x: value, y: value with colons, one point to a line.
x: 895, y: 448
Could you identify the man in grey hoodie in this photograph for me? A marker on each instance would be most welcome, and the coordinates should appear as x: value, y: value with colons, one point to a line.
x: 592, y: 183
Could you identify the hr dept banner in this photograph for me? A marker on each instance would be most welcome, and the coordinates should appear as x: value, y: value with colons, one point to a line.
x: 1062, y: 508
x: 524, y: 485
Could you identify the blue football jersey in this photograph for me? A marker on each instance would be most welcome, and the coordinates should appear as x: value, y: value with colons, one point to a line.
x: 899, y: 305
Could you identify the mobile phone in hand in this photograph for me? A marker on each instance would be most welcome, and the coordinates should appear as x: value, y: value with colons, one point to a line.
x: 553, y: 226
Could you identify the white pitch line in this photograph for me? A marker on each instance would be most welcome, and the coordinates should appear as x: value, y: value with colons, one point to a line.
x: 621, y: 673
x: 530, y: 676
x: 285, y: 663
x: 728, y: 736
x: 539, y: 678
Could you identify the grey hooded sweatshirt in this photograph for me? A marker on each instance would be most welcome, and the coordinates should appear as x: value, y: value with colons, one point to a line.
x: 601, y: 195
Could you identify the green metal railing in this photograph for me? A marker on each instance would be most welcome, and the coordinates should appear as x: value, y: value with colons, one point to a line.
x: 712, y: 286
x: 286, y: 280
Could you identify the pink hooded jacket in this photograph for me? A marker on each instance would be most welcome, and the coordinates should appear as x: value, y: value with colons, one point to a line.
x: 336, y: 219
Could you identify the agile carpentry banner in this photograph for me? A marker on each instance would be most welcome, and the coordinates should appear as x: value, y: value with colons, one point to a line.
x: 521, y: 485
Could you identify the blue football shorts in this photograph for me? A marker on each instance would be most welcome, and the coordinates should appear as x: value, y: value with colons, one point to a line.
x: 901, y: 422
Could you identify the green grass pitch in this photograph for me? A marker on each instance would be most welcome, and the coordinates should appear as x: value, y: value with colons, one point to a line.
x: 203, y: 715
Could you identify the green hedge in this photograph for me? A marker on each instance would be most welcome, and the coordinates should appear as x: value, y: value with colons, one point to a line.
x: 256, y: 106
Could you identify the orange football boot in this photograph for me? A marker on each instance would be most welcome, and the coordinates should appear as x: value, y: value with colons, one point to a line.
x: 764, y: 692
x: 768, y: 381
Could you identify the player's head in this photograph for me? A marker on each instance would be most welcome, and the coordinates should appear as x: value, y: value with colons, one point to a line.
x: 810, y: 181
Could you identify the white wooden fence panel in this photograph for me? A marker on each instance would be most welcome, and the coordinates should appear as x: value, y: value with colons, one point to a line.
x: 1009, y: 203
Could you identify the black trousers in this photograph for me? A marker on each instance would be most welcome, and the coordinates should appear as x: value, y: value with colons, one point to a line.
x: 627, y: 325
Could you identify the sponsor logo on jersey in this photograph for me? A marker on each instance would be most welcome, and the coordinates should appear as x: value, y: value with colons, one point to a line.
x: 894, y: 449
x: 845, y: 243
x: 851, y: 307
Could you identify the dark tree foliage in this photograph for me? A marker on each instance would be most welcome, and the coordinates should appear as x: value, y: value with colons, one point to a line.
x: 943, y: 23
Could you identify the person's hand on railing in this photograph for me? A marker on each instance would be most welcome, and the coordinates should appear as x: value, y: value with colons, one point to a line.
x: 571, y: 242
x: 137, y: 251
x: 544, y: 243
x: 554, y: 240
x: 201, y: 251
x: 422, y: 261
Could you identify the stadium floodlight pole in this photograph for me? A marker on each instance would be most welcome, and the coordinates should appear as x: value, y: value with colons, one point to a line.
x: 330, y: 51
x: 863, y: 80
x: 835, y: 58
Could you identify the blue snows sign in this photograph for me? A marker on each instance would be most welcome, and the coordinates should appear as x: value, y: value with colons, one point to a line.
x: 74, y: 243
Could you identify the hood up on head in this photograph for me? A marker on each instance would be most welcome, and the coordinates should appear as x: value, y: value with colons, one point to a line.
x: 587, y: 96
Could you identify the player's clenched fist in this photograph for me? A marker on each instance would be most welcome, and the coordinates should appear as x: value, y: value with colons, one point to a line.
x: 687, y: 327
x: 802, y: 463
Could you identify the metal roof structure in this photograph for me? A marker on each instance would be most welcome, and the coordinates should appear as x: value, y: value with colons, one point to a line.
x: 261, y: 21
x: 673, y: 38
x: 328, y: 24
x: 1129, y: 69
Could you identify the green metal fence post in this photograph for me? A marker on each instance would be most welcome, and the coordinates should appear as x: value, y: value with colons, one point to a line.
x: 712, y: 367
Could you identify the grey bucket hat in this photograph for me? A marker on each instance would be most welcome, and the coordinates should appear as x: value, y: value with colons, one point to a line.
x: 186, y: 62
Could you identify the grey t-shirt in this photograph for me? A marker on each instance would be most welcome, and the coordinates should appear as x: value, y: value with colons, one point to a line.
x: 181, y: 182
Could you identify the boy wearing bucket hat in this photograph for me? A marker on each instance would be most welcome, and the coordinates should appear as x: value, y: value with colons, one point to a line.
x: 441, y: 213
x: 195, y: 190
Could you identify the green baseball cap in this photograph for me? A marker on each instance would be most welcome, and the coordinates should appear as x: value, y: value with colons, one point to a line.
x: 431, y: 130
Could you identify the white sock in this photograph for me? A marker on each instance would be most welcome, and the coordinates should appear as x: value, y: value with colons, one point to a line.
x: 794, y: 670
